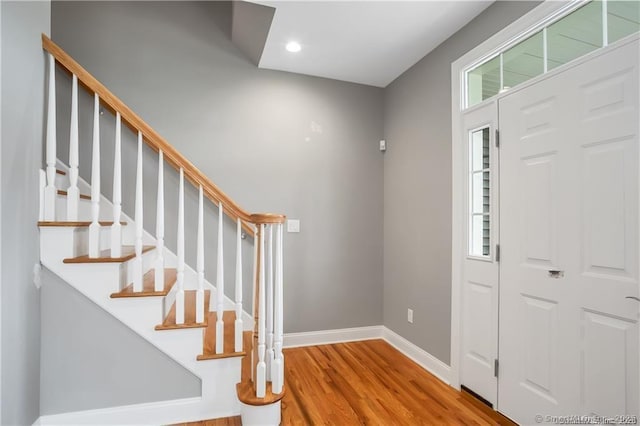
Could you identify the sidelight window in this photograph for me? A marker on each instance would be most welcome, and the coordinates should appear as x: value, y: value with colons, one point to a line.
x: 479, y: 193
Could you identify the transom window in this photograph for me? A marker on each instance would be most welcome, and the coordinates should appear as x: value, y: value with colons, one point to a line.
x: 593, y: 25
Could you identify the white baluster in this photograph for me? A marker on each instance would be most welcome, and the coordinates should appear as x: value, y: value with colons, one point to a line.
x: 200, y: 261
x: 180, y: 272
x: 269, y: 299
x: 137, y: 262
x: 94, y: 228
x: 116, y: 228
x: 261, y: 369
x: 220, y: 285
x: 73, y: 193
x: 238, y: 324
x: 254, y: 307
x: 277, y: 371
x: 50, y: 190
x: 159, y: 266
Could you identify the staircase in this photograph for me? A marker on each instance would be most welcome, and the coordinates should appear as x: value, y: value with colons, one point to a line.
x: 89, y: 242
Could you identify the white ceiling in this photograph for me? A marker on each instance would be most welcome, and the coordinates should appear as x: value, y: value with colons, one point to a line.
x: 368, y: 42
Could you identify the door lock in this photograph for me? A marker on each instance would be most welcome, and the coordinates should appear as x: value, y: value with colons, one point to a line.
x: 554, y: 273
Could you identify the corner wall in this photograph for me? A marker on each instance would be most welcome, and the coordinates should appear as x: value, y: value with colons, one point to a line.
x: 417, y: 186
x: 23, y: 88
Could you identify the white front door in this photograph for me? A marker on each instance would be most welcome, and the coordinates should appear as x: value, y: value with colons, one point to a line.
x: 569, y: 237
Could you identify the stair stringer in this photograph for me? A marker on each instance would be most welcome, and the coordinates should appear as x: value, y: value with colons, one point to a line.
x: 97, y: 282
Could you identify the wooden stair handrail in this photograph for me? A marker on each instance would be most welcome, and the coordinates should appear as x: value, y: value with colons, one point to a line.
x: 157, y: 142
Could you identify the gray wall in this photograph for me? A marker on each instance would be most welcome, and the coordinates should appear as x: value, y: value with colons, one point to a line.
x: 252, y: 132
x: 274, y: 141
x: 117, y: 368
x: 23, y: 87
x: 417, y: 186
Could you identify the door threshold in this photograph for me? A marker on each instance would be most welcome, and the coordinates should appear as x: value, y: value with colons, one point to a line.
x: 471, y: 393
x: 486, y: 406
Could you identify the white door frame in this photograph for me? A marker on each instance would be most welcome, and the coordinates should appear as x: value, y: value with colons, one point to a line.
x: 526, y: 24
x: 0, y: 211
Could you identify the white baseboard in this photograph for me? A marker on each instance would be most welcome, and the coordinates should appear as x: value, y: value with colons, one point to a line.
x: 154, y: 413
x: 326, y: 337
x: 423, y: 358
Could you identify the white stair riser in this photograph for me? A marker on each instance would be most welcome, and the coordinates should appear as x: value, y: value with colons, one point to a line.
x: 144, y: 311
x: 62, y: 181
x: 84, y: 210
x: 104, y: 278
x: 94, y: 280
x: 59, y: 243
x: 184, y: 344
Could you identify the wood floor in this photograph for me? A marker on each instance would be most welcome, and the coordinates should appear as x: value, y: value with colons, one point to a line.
x: 368, y: 383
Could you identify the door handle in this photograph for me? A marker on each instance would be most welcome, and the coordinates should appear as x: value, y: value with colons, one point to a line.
x: 554, y: 273
x: 637, y: 299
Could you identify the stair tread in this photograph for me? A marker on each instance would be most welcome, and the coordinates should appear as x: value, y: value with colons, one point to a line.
x: 128, y: 253
x: 77, y: 224
x: 148, y: 285
x: 247, y: 394
x: 189, y: 313
x: 65, y: 193
x: 209, y: 339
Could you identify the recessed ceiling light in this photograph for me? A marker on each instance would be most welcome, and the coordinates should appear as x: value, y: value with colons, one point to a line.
x: 293, y: 46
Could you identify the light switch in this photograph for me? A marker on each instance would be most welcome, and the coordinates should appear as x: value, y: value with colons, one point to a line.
x: 293, y: 225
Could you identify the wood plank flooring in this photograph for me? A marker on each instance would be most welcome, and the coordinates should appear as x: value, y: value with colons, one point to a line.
x: 368, y: 383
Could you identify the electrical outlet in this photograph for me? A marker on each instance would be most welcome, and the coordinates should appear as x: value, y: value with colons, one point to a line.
x: 410, y: 316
